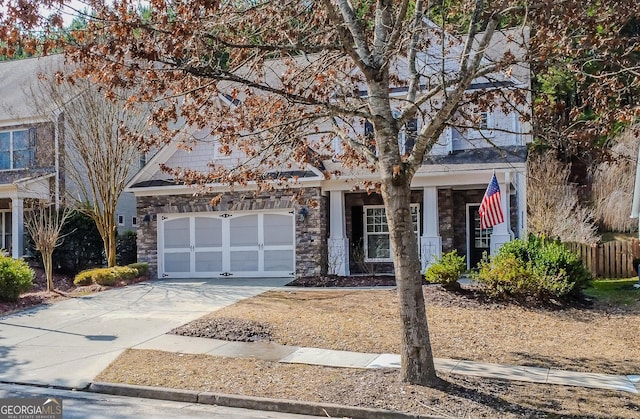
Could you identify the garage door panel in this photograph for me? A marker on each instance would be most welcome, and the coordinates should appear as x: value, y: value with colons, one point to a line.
x: 278, y: 229
x: 245, y: 261
x: 177, y: 262
x: 244, y: 230
x: 208, y: 232
x: 278, y: 261
x: 209, y: 262
x: 177, y: 233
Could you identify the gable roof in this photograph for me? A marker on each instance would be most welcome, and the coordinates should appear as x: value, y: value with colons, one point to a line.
x: 17, y: 79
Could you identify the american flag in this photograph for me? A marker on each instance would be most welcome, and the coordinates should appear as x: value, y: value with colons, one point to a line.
x: 490, y: 209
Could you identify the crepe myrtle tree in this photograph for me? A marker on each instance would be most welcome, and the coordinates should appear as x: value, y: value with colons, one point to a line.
x: 279, y: 81
x: 99, y: 158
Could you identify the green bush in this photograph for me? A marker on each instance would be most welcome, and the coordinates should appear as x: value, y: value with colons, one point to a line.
x: 126, y: 248
x: 82, y: 247
x: 447, y: 270
x: 124, y: 273
x: 84, y: 278
x: 536, y: 269
x: 16, y: 277
x: 141, y: 267
x: 105, y: 276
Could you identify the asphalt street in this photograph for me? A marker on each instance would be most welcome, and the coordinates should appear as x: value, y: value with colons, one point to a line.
x: 84, y: 405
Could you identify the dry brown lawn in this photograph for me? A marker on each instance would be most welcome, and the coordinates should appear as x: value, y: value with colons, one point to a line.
x: 594, y: 339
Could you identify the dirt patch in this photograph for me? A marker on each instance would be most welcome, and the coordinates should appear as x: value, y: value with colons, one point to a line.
x: 238, y: 330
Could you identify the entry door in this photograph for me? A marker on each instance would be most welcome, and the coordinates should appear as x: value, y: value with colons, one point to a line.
x: 478, y: 240
x: 228, y: 244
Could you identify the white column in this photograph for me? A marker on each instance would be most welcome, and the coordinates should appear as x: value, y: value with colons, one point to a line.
x: 502, y: 232
x: 430, y: 242
x: 17, y: 227
x: 338, y: 243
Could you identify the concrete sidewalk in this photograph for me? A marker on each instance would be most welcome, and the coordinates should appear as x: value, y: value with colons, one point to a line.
x: 314, y: 356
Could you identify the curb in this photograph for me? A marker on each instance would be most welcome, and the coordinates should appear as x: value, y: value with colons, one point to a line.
x: 249, y: 402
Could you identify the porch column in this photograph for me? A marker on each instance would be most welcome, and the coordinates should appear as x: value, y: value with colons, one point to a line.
x: 430, y: 242
x: 17, y: 227
x: 502, y: 232
x: 338, y: 252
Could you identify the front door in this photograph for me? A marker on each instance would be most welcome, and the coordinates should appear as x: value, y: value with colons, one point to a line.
x: 478, y: 240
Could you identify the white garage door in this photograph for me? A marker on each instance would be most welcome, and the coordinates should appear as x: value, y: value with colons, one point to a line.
x: 226, y: 244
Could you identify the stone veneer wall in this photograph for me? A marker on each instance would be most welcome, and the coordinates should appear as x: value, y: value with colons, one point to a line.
x: 311, y: 233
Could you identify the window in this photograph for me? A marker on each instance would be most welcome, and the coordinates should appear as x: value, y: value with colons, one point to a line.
x: 134, y: 221
x: 120, y: 220
x: 407, y: 136
x: 5, y: 230
x: 483, y: 123
x: 377, y: 242
x: 142, y: 161
x: 482, y: 238
x: 17, y: 149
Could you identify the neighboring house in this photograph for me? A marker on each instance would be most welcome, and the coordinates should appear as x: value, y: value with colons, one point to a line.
x: 182, y: 235
x: 31, y: 151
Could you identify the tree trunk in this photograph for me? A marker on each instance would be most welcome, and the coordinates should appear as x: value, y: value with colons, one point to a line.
x: 417, y: 365
x: 110, y: 247
x: 47, y: 261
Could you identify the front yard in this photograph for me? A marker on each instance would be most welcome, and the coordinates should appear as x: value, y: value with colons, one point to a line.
x: 597, y: 338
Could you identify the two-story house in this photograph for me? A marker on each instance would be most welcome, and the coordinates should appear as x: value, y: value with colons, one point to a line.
x: 30, y: 162
x: 346, y: 232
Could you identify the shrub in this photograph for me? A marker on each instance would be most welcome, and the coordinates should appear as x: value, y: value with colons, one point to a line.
x: 141, y: 267
x: 533, y: 269
x: 124, y: 273
x: 82, y: 247
x: 84, y: 278
x: 447, y: 270
x: 16, y: 277
x: 126, y: 248
x: 105, y: 276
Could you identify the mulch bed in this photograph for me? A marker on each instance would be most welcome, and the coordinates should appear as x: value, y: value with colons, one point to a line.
x: 344, y: 281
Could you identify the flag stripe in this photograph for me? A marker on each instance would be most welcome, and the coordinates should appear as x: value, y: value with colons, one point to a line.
x: 491, y: 208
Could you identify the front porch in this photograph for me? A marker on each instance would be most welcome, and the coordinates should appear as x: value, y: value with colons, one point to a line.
x: 445, y: 217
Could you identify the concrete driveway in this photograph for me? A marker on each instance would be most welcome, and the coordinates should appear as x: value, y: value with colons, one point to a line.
x: 68, y: 343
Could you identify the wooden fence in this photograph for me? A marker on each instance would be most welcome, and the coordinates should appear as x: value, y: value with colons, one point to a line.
x: 613, y: 259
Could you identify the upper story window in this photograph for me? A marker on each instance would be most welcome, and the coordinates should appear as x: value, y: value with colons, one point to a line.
x: 484, y: 121
x: 17, y: 149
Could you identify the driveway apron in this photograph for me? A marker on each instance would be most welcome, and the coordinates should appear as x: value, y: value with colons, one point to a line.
x: 68, y: 343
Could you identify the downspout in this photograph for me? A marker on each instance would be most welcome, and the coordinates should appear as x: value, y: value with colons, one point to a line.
x: 56, y: 144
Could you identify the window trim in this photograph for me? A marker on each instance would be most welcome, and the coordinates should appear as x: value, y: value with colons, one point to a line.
x: 365, y: 233
x: 120, y: 220
x: 134, y: 221
x: 30, y: 148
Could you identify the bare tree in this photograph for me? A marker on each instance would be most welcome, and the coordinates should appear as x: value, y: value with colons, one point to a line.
x: 613, y: 183
x: 44, y: 223
x: 98, y: 160
x: 554, y: 209
x: 295, y: 75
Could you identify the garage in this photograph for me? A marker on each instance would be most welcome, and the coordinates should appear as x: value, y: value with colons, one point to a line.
x: 226, y: 244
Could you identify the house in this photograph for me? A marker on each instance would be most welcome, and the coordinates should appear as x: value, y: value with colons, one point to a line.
x: 182, y: 234
x: 32, y: 151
